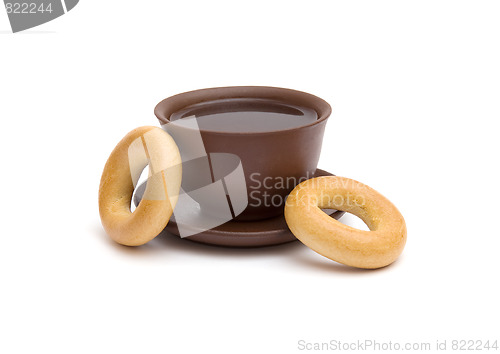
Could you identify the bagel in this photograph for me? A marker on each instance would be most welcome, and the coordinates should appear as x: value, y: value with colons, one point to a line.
x: 376, y: 248
x: 141, y: 147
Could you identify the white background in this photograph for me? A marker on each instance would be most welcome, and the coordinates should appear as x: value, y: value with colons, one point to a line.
x: 415, y: 89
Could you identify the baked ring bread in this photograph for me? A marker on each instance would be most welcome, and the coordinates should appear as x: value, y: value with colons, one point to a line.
x: 376, y: 248
x: 141, y: 147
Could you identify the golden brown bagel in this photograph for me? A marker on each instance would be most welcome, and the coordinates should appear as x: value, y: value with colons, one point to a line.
x: 363, y: 249
x: 141, y: 147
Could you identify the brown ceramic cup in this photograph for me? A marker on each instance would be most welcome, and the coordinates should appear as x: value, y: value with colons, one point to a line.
x: 273, y: 161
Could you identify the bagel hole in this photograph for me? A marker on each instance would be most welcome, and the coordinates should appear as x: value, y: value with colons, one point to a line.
x: 143, y: 178
x: 351, y: 220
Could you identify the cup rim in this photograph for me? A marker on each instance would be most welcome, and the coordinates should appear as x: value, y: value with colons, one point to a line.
x: 172, y: 104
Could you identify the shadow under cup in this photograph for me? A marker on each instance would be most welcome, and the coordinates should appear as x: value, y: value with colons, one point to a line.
x: 273, y: 161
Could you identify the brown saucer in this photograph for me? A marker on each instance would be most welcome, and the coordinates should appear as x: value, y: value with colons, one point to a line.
x: 267, y: 232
